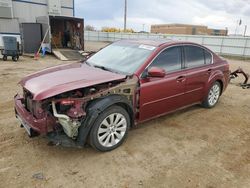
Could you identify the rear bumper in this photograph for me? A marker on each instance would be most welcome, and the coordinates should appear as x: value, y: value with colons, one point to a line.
x: 32, y: 125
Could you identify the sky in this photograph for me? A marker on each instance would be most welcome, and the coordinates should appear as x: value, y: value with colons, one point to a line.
x: 218, y: 14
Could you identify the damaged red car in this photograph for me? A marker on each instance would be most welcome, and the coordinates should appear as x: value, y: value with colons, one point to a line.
x: 128, y: 82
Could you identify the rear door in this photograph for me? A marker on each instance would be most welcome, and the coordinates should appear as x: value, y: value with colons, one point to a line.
x: 198, y: 65
x: 162, y: 95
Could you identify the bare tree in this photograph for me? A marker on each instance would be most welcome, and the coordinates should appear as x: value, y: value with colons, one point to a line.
x: 89, y: 28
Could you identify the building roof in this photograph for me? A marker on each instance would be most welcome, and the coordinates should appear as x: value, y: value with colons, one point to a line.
x: 179, y: 25
x: 151, y: 42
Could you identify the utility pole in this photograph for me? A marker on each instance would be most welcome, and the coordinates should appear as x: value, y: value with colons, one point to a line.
x: 245, y: 30
x: 238, y: 23
x: 125, y: 16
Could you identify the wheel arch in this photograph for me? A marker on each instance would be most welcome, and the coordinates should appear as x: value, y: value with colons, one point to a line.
x: 129, y: 110
x: 95, y: 107
x: 216, y: 76
x: 120, y: 100
x: 221, y: 85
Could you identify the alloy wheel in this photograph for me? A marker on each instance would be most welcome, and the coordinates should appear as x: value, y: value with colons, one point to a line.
x: 112, y: 129
x: 214, y: 95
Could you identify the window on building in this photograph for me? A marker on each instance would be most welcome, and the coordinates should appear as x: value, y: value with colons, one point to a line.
x: 6, y: 9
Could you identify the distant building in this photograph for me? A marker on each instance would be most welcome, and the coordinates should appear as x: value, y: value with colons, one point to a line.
x: 186, y: 29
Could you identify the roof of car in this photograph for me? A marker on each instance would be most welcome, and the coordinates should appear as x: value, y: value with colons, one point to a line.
x: 151, y: 42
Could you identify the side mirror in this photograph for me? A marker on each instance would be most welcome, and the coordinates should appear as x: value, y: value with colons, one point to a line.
x: 156, y: 72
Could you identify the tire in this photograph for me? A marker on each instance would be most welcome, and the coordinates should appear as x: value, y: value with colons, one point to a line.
x: 5, y: 58
x: 105, y: 136
x: 213, y: 95
x: 14, y: 58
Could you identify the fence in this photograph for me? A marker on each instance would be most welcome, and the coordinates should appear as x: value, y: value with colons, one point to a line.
x: 224, y: 45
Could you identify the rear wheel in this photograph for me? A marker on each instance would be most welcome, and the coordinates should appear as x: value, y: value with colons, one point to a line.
x: 15, y: 58
x: 110, y: 129
x: 5, y: 57
x: 213, y: 95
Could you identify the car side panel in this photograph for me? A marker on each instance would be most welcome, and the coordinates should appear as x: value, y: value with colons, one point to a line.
x: 196, y: 81
x: 219, y: 74
x: 161, y: 95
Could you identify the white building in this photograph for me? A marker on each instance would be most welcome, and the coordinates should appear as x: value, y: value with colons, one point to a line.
x: 21, y: 11
x: 13, y: 13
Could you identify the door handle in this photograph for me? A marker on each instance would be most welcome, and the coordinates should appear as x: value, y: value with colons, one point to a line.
x: 209, y: 71
x: 181, y: 79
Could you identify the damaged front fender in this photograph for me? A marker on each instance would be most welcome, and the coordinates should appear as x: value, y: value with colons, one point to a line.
x: 95, y: 108
x: 122, y: 94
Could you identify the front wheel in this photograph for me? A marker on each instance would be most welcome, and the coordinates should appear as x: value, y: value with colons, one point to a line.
x: 110, y: 129
x: 213, y: 95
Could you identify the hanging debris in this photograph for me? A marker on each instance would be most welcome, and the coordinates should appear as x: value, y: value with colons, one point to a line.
x: 235, y: 74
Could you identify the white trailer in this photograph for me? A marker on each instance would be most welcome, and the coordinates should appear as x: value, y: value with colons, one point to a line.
x: 57, y: 25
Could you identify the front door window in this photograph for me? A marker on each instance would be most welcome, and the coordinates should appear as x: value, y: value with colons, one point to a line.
x: 169, y: 60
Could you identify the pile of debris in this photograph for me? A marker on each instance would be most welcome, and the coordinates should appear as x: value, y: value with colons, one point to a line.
x: 235, y: 74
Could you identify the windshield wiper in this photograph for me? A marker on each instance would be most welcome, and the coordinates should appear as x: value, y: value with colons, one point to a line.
x: 103, y: 68
x: 86, y: 62
x: 96, y: 66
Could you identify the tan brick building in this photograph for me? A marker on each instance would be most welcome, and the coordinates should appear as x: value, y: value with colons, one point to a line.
x: 186, y: 29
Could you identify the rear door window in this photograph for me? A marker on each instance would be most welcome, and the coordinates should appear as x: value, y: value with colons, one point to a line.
x: 194, y: 56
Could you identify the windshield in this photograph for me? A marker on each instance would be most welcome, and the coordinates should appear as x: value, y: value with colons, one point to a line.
x: 123, y: 58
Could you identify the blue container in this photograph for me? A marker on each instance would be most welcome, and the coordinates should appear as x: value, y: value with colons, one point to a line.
x: 10, y: 48
x: 10, y: 43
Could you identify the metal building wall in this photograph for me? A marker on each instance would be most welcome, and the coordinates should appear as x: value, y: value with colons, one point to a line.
x: 12, y: 24
x: 67, y: 3
x: 67, y: 12
x: 6, y: 9
x: 27, y: 11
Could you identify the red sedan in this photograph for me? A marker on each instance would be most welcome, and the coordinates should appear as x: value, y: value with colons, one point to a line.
x: 126, y: 83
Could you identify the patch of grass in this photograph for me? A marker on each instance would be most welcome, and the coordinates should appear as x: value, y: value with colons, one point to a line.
x: 241, y: 58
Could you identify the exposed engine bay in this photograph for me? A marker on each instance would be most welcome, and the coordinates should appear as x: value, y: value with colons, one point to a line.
x: 68, y: 110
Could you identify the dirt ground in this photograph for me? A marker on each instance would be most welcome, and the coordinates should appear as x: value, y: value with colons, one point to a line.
x: 195, y: 147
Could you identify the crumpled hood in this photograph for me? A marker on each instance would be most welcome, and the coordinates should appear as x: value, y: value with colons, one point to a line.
x: 60, y: 79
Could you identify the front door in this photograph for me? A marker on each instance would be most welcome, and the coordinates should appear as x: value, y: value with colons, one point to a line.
x: 162, y: 95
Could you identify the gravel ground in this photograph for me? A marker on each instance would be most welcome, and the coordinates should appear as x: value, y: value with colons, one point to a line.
x: 194, y: 147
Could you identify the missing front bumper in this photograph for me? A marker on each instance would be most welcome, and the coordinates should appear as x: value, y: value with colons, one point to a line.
x: 61, y: 139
